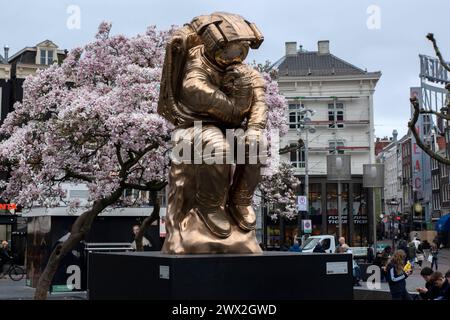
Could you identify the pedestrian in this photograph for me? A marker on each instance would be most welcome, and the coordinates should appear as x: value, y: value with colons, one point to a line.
x: 403, y: 245
x: 146, y: 244
x: 5, y: 256
x: 434, y: 255
x: 355, y: 267
x: 411, y: 253
x: 396, y: 276
x: 442, y: 283
x: 420, y: 254
x: 430, y: 291
x: 341, y: 243
x: 370, y: 253
x: 295, y: 247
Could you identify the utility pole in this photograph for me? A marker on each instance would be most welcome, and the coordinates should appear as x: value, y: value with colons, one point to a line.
x: 305, y: 124
x: 339, y: 190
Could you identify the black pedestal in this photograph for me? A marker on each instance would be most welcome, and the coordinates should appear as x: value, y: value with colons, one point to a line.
x: 268, y: 276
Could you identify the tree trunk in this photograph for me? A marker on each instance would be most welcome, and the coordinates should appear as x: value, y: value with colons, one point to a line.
x: 80, y: 228
x: 148, y: 221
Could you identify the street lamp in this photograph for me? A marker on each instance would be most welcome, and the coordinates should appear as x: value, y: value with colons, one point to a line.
x: 305, y: 125
x: 339, y: 169
x: 373, y: 177
x: 393, y: 208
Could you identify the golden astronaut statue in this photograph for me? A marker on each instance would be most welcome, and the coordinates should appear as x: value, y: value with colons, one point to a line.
x: 205, y: 81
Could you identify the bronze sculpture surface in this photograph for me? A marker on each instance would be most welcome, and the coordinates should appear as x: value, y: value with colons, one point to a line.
x: 206, y: 89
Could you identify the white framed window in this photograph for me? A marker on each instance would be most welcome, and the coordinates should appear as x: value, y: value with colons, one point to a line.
x: 436, y: 201
x: 435, y: 164
x: 445, y: 193
x: 297, y: 157
x: 294, y: 114
x: 444, y: 170
x: 46, y: 56
x: 336, y: 115
x: 336, y: 145
x: 435, y: 182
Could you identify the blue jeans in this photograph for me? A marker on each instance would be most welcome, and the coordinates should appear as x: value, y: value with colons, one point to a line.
x: 434, y: 263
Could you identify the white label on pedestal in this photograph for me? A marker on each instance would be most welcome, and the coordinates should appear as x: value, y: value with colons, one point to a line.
x: 164, y: 272
x: 337, y: 268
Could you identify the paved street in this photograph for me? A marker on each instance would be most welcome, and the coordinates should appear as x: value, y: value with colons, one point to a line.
x: 415, y: 280
x: 17, y: 290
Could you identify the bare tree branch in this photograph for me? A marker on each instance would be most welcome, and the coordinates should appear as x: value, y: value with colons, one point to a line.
x: 148, y: 220
x: 430, y: 37
x: 412, y: 127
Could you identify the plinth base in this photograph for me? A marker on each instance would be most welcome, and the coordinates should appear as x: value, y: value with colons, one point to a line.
x: 267, y: 276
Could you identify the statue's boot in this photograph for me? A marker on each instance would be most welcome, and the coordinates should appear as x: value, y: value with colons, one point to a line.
x: 245, y: 181
x: 212, y: 192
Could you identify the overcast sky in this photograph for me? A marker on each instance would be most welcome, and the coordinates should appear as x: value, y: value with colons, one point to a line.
x: 390, y: 44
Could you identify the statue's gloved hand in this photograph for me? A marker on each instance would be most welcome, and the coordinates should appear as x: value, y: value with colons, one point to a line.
x: 237, y: 84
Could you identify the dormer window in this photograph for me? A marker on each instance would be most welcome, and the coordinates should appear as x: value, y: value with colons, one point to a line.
x: 46, y: 56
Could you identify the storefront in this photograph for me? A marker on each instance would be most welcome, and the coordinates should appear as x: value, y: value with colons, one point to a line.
x: 323, y: 213
x: 13, y: 230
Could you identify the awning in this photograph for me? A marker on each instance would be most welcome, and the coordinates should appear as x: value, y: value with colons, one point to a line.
x: 443, y: 224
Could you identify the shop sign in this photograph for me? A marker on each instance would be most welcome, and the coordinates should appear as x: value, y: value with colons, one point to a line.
x: 357, y: 219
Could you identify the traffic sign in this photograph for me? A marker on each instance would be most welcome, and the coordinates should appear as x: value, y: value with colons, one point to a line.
x: 307, y: 226
x: 302, y: 203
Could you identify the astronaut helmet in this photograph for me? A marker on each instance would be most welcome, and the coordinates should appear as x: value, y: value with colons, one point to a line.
x: 226, y: 37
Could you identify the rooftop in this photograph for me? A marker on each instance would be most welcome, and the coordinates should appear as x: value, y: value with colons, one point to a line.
x: 299, y: 63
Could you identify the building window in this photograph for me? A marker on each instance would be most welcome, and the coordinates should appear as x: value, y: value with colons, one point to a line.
x: 297, y: 157
x: 444, y: 171
x: 426, y: 125
x: 434, y: 164
x: 436, y: 201
x: 336, y: 116
x: 336, y: 145
x: 435, y: 180
x: 46, y: 56
x: 294, y: 115
x: 445, y: 193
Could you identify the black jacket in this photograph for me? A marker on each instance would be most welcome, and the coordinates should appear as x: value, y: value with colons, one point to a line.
x: 432, y: 292
x: 5, y: 255
x: 397, y: 281
x: 444, y: 292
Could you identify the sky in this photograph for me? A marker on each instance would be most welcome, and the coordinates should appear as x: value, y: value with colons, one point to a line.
x: 381, y: 35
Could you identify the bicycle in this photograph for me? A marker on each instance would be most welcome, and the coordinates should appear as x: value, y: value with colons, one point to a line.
x: 15, y: 272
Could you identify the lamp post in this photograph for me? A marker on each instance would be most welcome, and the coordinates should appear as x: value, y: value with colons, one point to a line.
x: 373, y: 177
x: 393, y: 207
x: 305, y: 125
x: 339, y: 169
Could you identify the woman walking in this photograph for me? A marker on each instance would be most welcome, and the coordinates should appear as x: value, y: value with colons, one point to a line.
x: 434, y: 256
x: 420, y: 254
x: 396, y: 276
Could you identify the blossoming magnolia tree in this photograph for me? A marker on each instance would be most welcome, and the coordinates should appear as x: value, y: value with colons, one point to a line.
x: 280, y: 190
x: 93, y: 120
